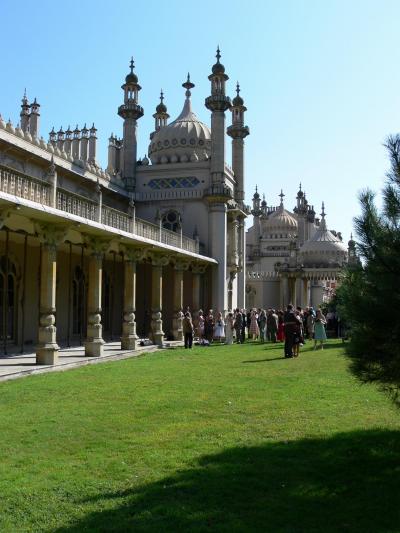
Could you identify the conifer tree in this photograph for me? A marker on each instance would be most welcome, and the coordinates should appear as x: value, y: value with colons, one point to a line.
x: 369, y: 297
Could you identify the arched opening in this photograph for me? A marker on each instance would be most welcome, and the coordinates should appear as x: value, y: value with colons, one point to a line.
x: 79, y: 303
x: 8, y: 300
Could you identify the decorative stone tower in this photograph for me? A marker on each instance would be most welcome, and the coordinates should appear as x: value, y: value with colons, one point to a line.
x: 218, y: 103
x: 130, y: 111
x: 238, y: 131
x: 34, y: 119
x: 25, y: 113
x: 219, y: 193
x: 160, y: 116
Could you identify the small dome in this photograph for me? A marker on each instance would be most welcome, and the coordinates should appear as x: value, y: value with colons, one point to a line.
x: 281, y: 220
x: 161, y: 108
x: 218, y: 68
x: 184, y: 139
x: 131, y: 77
x: 323, y: 247
x: 237, y: 101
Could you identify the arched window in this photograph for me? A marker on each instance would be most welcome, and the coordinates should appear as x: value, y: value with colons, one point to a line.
x: 171, y: 220
x: 8, y: 300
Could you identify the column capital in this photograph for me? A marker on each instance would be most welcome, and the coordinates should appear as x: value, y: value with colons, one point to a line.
x: 198, y: 268
x: 134, y: 254
x: 181, y: 264
x: 4, y: 215
x: 159, y: 260
x: 51, y: 235
x: 97, y: 247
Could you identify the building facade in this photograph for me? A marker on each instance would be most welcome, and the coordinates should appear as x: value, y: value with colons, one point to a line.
x: 88, y: 255
x: 291, y: 256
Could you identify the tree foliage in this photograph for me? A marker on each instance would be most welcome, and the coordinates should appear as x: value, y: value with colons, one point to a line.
x: 369, y: 297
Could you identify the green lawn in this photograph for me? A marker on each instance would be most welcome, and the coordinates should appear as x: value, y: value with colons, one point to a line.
x: 214, y: 439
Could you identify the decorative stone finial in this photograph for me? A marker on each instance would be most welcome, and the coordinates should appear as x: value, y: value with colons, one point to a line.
x: 132, y: 65
x: 281, y: 196
x: 188, y: 85
x: 218, y: 54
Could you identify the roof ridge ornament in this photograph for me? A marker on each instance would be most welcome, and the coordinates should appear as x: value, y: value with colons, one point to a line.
x: 188, y: 85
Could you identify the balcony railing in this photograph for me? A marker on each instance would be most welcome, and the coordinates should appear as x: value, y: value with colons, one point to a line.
x: 36, y: 190
x: 23, y: 186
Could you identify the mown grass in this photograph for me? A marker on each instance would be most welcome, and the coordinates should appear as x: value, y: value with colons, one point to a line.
x: 227, y: 438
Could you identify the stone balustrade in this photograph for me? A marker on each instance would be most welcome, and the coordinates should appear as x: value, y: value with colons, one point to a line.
x: 36, y: 190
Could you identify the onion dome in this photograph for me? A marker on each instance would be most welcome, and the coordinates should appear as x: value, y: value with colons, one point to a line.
x: 264, y: 202
x: 161, y: 108
x: 131, y: 77
x: 300, y: 193
x: 184, y: 139
x: 218, y: 68
x: 281, y: 221
x: 324, y: 248
x: 238, y: 100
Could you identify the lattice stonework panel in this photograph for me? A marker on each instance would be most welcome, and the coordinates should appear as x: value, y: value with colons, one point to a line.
x: 173, y: 183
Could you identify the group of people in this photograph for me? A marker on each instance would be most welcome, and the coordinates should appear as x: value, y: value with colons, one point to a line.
x: 291, y: 326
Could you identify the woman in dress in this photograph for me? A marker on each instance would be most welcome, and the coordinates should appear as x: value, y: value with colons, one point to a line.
x: 219, y: 331
x: 229, y: 329
x: 319, y: 330
x: 209, y: 326
x: 254, y: 329
x: 281, y: 331
x: 200, y: 325
x: 262, y: 324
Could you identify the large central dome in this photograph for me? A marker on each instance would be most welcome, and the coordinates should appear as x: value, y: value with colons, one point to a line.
x: 185, y: 139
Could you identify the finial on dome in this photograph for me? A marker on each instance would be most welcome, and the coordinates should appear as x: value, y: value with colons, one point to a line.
x: 300, y: 187
x: 281, y: 196
x: 132, y: 64
x: 323, y: 214
x: 218, y: 54
x: 188, y: 85
x: 161, y: 96
x: 237, y: 88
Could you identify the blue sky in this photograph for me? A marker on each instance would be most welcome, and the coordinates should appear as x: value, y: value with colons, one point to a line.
x: 320, y: 80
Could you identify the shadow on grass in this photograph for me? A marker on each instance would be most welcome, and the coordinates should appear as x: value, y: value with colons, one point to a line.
x: 282, y: 358
x: 349, y: 482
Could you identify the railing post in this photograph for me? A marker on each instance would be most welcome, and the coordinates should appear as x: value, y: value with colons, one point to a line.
x: 100, y: 201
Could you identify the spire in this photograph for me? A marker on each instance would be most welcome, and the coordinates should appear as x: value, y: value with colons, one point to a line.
x: 322, y: 224
x: 218, y: 54
x: 281, y: 197
x: 188, y: 85
x: 132, y: 64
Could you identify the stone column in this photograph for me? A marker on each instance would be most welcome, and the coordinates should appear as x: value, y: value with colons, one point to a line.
x: 217, y: 237
x: 285, y: 296
x: 241, y: 279
x: 94, y: 340
x: 179, y: 268
x: 47, y: 348
x: 129, y: 338
x: 197, y: 272
x: 157, y: 332
x: 305, y: 299
x: 52, y: 177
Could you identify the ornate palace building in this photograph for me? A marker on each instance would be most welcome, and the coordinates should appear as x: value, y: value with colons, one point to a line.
x: 292, y: 256
x: 88, y: 255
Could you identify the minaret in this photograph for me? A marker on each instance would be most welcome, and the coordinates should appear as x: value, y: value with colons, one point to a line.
x: 160, y: 116
x: 92, y: 144
x: 218, y: 103
x: 34, y: 119
x: 238, y: 131
x: 301, y: 211
x: 25, y: 113
x: 68, y: 140
x: 84, y: 143
x: 130, y: 111
x: 75, y: 143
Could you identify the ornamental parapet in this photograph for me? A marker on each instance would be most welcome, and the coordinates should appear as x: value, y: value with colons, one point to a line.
x: 19, y: 185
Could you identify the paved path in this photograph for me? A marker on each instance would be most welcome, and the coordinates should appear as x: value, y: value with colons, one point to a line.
x: 17, y: 366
